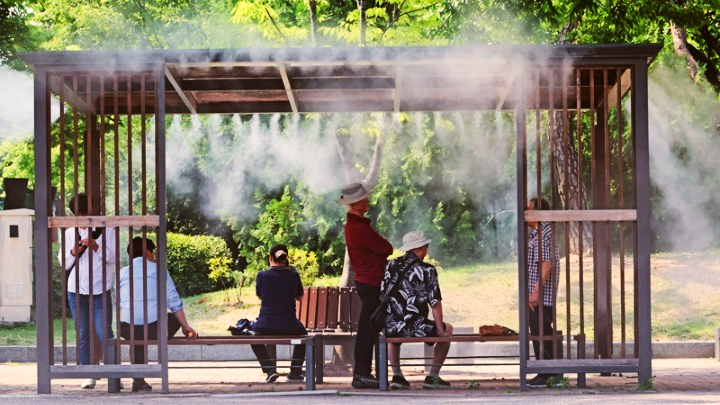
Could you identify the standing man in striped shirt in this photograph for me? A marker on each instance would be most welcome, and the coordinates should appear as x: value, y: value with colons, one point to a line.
x: 543, y: 275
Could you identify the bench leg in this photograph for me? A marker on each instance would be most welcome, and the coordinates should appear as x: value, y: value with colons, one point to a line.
x: 113, y: 358
x: 319, y: 359
x: 310, y: 365
x: 382, y: 363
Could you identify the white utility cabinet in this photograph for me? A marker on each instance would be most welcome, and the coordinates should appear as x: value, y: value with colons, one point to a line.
x: 16, y: 261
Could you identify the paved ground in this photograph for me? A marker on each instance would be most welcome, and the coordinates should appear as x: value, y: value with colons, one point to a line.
x: 674, y: 381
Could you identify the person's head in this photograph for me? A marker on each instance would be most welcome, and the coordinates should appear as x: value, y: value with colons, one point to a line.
x: 355, y: 196
x: 81, y: 200
x: 279, y: 255
x: 536, y: 203
x: 416, y: 242
x: 137, y: 248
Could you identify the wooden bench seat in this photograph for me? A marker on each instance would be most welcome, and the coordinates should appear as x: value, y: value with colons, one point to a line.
x: 330, y: 315
x: 382, y: 368
x: 307, y: 340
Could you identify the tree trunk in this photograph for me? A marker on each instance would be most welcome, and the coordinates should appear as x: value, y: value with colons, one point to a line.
x: 348, y: 276
x: 568, y: 184
x: 363, y: 20
x: 679, y: 37
x: 313, y: 21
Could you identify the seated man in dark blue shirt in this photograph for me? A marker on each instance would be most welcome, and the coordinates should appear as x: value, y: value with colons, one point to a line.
x: 278, y: 288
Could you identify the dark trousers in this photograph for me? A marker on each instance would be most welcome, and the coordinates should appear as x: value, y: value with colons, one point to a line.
x: 139, y: 355
x: 366, y: 335
x: 548, y: 351
x: 269, y: 363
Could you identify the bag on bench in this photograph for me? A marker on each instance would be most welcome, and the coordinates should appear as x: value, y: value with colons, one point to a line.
x: 496, y: 330
x: 243, y: 327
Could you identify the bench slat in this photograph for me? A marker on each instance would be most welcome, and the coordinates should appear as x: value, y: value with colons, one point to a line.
x: 322, y: 313
x: 355, y: 307
x: 299, y: 306
x: 344, y: 311
x: 241, y: 340
x: 332, y: 308
x: 312, y: 308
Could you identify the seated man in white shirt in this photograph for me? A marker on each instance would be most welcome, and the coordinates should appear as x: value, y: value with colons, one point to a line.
x: 133, y: 320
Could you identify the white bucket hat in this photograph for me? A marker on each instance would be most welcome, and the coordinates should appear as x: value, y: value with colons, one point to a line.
x: 413, y: 240
x: 353, y: 193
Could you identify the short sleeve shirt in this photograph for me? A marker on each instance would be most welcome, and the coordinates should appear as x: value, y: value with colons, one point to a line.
x: 410, y: 300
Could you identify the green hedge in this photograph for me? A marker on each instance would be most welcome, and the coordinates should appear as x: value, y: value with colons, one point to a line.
x: 189, y: 262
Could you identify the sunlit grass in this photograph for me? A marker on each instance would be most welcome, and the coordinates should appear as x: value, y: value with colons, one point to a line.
x: 24, y: 335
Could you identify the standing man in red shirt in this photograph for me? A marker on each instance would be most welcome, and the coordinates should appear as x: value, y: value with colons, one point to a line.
x: 368, y: 253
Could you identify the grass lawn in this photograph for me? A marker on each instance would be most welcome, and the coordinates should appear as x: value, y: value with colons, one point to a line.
x: 685, y: 299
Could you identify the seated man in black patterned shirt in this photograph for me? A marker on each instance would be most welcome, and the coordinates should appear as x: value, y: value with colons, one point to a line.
x: 412, y: 287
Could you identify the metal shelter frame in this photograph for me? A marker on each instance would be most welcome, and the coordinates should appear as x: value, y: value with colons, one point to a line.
x: 599, y: 91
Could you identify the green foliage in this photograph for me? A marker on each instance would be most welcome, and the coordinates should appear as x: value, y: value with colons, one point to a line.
x: 152, y: 24
x: 286, y: 21
x: 277, y: 223
x: 190, y: 262
x: 15, y: 32
x: 305, y: 263
x: 648, y: 385
x: 231, y: 280
x: 558, y: 383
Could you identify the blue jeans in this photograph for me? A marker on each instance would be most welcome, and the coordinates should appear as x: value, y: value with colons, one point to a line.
x: 82, y: 320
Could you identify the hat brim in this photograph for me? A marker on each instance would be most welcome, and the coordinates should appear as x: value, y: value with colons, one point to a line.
x: 347, y: 200
x: 415, y: 245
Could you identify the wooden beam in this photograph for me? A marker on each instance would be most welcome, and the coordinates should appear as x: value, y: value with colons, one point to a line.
x: 625, y: 83
x: 71, y: 98
x: 288, y: 87
x: 580, y: 216
x: 191, y: 105
x: 100, y: 221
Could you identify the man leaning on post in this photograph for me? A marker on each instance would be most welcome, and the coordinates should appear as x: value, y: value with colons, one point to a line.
x: 368, y: 253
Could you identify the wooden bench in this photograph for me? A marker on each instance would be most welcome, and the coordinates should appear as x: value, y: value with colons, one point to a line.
x: 472, y: 337
x: 331, y: 315
x: 307, y: 340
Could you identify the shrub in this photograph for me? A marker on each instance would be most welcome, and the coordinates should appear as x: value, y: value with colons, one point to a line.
x: 305, y: 263
x: 190, y: 261
x: 231, y: 280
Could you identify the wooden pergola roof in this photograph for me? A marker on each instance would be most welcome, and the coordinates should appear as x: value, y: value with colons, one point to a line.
x: 345, y: 79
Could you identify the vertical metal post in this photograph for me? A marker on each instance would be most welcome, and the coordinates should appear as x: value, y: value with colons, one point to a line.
x: 310, y: 363
x: 642, y: 187
x: 43, y: 315
x: 521, y: 145
x: 382, y: 366
x: 162, y: 212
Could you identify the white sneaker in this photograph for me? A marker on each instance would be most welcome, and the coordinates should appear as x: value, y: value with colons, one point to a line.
x: 88, y: 383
